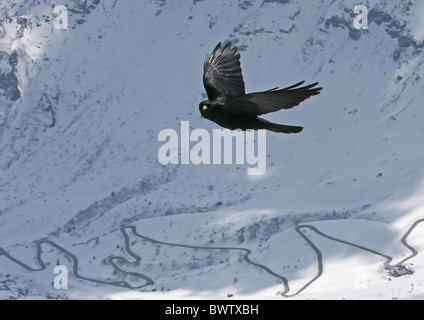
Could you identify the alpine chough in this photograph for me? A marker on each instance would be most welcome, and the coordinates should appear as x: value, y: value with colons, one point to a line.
x: 230, y: 107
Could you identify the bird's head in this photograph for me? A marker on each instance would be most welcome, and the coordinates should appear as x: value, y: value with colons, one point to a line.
x: 206, y: 108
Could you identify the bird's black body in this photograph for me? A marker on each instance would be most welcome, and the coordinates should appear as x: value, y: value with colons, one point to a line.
x: 230, y: 107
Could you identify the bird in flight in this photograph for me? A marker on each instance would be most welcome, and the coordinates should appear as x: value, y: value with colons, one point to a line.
x: 230, y: 107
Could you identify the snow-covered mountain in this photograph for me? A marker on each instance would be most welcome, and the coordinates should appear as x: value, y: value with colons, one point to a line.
x: 339, y: 207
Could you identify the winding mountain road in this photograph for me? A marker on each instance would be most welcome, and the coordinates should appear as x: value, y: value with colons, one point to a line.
x: 116, y: 261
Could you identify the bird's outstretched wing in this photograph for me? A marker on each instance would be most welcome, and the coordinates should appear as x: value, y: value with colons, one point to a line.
x: 259, y: 103
x: 222, y: 76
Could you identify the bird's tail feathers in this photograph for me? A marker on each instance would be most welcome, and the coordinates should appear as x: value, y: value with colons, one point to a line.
x: 275, y: 127
x: 285, y: 129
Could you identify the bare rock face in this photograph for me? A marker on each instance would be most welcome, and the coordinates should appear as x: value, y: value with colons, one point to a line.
x: 9, y: 90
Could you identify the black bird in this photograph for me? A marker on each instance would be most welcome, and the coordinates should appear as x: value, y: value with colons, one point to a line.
x: 230, y: 107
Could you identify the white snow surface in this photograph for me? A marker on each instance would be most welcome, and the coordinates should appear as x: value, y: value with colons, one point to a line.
x: 81, y: 184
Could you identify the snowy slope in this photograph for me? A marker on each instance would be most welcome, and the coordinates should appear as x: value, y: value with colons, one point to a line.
x: 81, y: 184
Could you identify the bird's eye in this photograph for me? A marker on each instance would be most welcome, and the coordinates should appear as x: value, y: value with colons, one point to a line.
x: 205, y: 107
